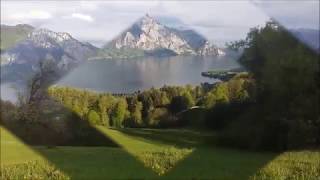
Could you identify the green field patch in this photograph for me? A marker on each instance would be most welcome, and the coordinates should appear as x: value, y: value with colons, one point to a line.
x: 292, y: 165
x: 32, y: 170
x: 14, y: 151
x: 166, y: 154
x: 154, y: 154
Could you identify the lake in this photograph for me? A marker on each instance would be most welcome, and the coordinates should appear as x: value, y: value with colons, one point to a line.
x: 9, y: 92
x: 131, y: 75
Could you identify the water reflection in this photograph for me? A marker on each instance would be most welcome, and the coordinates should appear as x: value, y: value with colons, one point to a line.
x: 126, y: 76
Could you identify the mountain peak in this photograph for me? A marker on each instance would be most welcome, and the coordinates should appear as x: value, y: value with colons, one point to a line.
x: 148, y: 34
x: 57, y: 36
x: 147, y: 16
x: 147, y: 19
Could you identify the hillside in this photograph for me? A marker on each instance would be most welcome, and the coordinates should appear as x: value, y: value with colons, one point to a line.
x: 10, y: 35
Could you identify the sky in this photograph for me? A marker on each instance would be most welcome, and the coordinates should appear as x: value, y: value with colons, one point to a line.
x: 98, y: 22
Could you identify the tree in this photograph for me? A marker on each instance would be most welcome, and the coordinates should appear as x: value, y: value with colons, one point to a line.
x: 286, y: 106
x: 136, y: 115
x: 236, y: 45
x: 94, y: 118
x: 237, y: 88
x: 134, y: 107
x: 31, y: 101
x: 189, y: 99
x: 119, y: 113
x: 198, y: 92
x: 147, y: 104
x: 159, y: 117
x: 219, y: 94
x: 105, y: 103
x: 178, y: 104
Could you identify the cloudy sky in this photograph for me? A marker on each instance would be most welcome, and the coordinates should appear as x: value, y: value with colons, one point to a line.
x: 99, y: 21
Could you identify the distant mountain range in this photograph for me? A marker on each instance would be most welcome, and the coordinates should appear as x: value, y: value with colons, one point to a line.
x: 24, y: 44
x: 24, y: 47
x: 42, y: 44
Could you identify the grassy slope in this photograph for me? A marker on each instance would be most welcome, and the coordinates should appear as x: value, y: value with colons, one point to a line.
x: 76, y: 162
x: 14, y: 151
x: 181, y: 154
x: 10, y: 35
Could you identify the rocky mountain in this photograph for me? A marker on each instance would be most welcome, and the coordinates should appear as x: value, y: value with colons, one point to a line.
x: 149, y: 35
x: 35, y: 48
x: 42, y: 44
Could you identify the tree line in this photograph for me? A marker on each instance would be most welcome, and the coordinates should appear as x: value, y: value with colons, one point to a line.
x: 150, y: 108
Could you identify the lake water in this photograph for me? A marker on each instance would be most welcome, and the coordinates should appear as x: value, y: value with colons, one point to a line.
x: 9, y: 92
x: 130, y: 75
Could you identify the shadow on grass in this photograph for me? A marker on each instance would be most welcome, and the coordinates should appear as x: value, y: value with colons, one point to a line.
x: 219, y: 163
x: 92, y: 154
x: 82, y: 153
x: 206, y: 161
x: 97, y: 163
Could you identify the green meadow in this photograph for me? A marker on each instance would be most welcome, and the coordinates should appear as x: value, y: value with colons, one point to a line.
x: 152, y: 154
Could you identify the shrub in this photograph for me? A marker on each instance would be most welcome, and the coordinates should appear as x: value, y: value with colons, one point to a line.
x: 222, y: 114
x: 158, y: 115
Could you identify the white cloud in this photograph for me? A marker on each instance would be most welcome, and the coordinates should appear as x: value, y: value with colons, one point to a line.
x: 293, y: 14
x: 33, y: 14
x: 90, y: 5
x: 83, y: 17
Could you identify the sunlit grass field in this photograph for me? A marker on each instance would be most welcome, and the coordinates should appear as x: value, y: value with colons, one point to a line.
x: 152, y: 154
